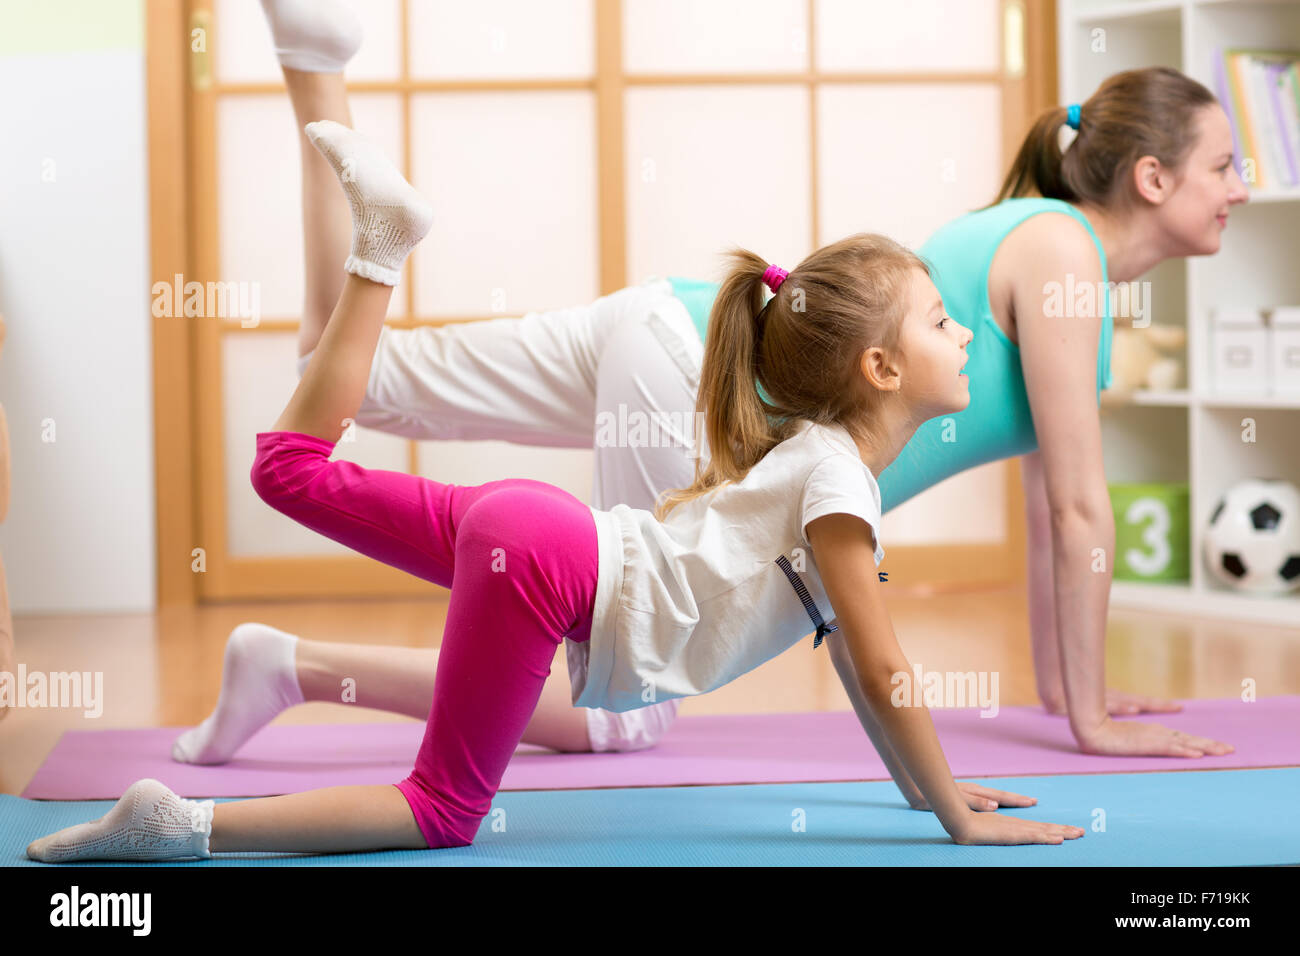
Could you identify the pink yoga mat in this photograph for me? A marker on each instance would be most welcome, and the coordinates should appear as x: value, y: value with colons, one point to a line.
x: 767, y: 748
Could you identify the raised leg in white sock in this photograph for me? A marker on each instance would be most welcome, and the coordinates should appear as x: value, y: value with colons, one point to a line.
x: 150, y: 822
x: 388, y: 216
x: 315, y: 36
x: 259, y: 679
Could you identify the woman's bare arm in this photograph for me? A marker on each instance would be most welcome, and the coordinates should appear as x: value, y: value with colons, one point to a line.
x: 1038, y: 570
x: 1059, y: 360
x: 1042, y: 607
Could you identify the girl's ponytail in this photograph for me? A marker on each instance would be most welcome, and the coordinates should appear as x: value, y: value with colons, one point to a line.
x: 802, y: 346
x: 736, y: 424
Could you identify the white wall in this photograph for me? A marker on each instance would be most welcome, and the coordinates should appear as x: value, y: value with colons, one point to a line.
x: 74, y: 283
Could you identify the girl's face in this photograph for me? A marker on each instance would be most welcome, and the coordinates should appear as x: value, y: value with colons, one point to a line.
x: 1197, y: 210
x: 933, y: 352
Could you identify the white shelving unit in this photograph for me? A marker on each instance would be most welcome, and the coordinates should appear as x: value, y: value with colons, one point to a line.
x: 1190, y: 434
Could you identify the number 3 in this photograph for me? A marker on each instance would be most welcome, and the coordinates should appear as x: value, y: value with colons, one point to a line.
x: 1155, y: 536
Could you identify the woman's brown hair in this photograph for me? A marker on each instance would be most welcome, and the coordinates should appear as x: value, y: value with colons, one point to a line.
x: 802, y: 346
x: 1148, y: 112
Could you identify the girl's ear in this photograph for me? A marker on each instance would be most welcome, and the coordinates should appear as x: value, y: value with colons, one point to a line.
x: 879, y: 370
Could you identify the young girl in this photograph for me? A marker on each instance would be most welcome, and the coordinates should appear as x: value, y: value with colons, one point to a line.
x: 853, y: 351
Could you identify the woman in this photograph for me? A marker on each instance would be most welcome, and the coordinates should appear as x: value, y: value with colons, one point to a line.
x: 1148, y: 177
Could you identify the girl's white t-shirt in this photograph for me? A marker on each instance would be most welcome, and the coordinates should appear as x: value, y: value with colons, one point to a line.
x: 688, y: 604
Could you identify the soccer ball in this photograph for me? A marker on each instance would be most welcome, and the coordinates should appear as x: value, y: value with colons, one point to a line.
x: 1253, y: 542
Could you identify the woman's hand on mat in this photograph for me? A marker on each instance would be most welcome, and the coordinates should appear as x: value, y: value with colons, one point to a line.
x: 1120, y: 704
x: 1129, y: 738
x: 990, y: 829
x: 980, y: 798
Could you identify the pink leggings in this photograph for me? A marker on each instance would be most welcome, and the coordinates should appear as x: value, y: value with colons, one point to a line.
x: 520, y: 559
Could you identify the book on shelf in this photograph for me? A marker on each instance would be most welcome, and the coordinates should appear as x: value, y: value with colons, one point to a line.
x: 1260, y: 91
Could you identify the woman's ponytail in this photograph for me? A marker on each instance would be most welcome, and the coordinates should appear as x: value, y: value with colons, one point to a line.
x: 1147, y: 112
x: 1037, y: 169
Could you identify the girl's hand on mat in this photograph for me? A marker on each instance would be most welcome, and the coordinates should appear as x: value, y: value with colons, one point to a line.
x: 981, y: 798
x: 1120, y: 704
x: 989, y: 829
x: 1130, y: 738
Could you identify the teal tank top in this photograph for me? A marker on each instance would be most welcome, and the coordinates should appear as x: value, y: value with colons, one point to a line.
x: 997, y: 424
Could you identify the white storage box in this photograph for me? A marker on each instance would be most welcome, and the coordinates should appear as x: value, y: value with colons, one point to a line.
x: 1284, y: 350
x: 1238, y: 360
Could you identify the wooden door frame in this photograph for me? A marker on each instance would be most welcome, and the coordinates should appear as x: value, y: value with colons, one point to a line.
x: 181, y: 155
x: 166, y: 85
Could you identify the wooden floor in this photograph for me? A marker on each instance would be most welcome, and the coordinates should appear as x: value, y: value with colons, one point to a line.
x: 164, y: 669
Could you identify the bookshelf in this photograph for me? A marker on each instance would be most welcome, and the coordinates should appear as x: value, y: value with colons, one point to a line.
x: 1190, y: 434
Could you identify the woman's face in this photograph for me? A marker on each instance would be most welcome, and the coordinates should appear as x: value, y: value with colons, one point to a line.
x: 1196, y: 213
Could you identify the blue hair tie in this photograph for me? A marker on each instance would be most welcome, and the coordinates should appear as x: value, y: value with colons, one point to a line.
x: 1072, y: 115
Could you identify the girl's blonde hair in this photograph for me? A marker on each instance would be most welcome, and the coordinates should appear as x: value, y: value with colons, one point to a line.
x: 803, y: 347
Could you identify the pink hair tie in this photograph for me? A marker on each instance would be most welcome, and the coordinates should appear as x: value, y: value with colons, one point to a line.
x: 773, y: 277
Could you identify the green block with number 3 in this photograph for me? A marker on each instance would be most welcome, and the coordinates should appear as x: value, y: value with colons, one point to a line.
x: 1152, y: 540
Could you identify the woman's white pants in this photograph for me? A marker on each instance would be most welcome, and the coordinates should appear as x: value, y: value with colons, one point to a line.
x: 561, y: 379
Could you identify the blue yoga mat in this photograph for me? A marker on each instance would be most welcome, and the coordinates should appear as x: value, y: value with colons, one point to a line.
x: 1187, y: 818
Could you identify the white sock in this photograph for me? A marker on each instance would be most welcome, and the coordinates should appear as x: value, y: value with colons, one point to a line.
x: 317, y: 36
x: 259, y: 679
x: 388, y: 216
x: 150, y: 822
